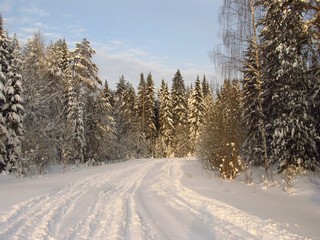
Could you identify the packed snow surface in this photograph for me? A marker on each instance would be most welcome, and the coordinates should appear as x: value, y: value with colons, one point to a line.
x: 154, y: 199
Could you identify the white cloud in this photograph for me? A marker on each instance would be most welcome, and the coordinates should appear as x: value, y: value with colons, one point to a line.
x: 76, y: 29
x: 131, y: 62
x: 7, y: 6
x: 18, y: 21
x: 29, y: 30
x: 33, y: 11
x: 41, y: 25
x: 137, y: 52
x: 117, y: 42
x: 52, y: 35
x: 67, y: 15
x: 114, y: 57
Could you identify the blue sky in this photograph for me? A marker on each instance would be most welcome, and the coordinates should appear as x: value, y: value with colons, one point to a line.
x: 129, y: 36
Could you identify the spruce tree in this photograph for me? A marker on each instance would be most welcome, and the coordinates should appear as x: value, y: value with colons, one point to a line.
x: 196, y: 112
x: 141, y: 103
x: 74, y: 151
x: 150, y: 113
x: 127, y: 137
x: 205, y: 88
x: 286, y: 85
x: 254, y: 149
x: 69, y: 102
x: 166, y: 128
x: 105, y: 125
x: 85, y: 76
x: 100, y: 147
x: 143, y: 144
x: 85, y: 68
x: 4, y: 65
x: 207, y: 94
x: 14, y: 109
x: 314, y: 27
x: 146, y: 115
x: 97, y: 131
x: 179, y: 110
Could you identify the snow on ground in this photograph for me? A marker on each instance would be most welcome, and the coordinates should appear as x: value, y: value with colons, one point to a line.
x: 154, y: 199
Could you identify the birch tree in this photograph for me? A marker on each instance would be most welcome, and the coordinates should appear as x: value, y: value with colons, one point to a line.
x: 240, y: 19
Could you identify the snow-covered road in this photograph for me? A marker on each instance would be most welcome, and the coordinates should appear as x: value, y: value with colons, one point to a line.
x: 138, y: 199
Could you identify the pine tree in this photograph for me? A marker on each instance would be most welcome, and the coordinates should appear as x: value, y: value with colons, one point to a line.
x: 196, y: 112
x: 179, y: 110
x: 165, y: 139
x: 286, y: 83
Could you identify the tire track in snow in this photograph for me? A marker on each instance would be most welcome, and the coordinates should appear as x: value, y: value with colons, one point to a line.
x: 225, y: 219
x: 35, y: 219
x: 41, y: 217
x: 112, y: 215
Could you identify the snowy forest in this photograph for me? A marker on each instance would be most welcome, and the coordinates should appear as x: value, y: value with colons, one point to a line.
x: 55, y: 110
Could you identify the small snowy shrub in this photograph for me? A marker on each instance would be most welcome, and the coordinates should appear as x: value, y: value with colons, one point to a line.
x: 230, y: 165
x: 289, y: 173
